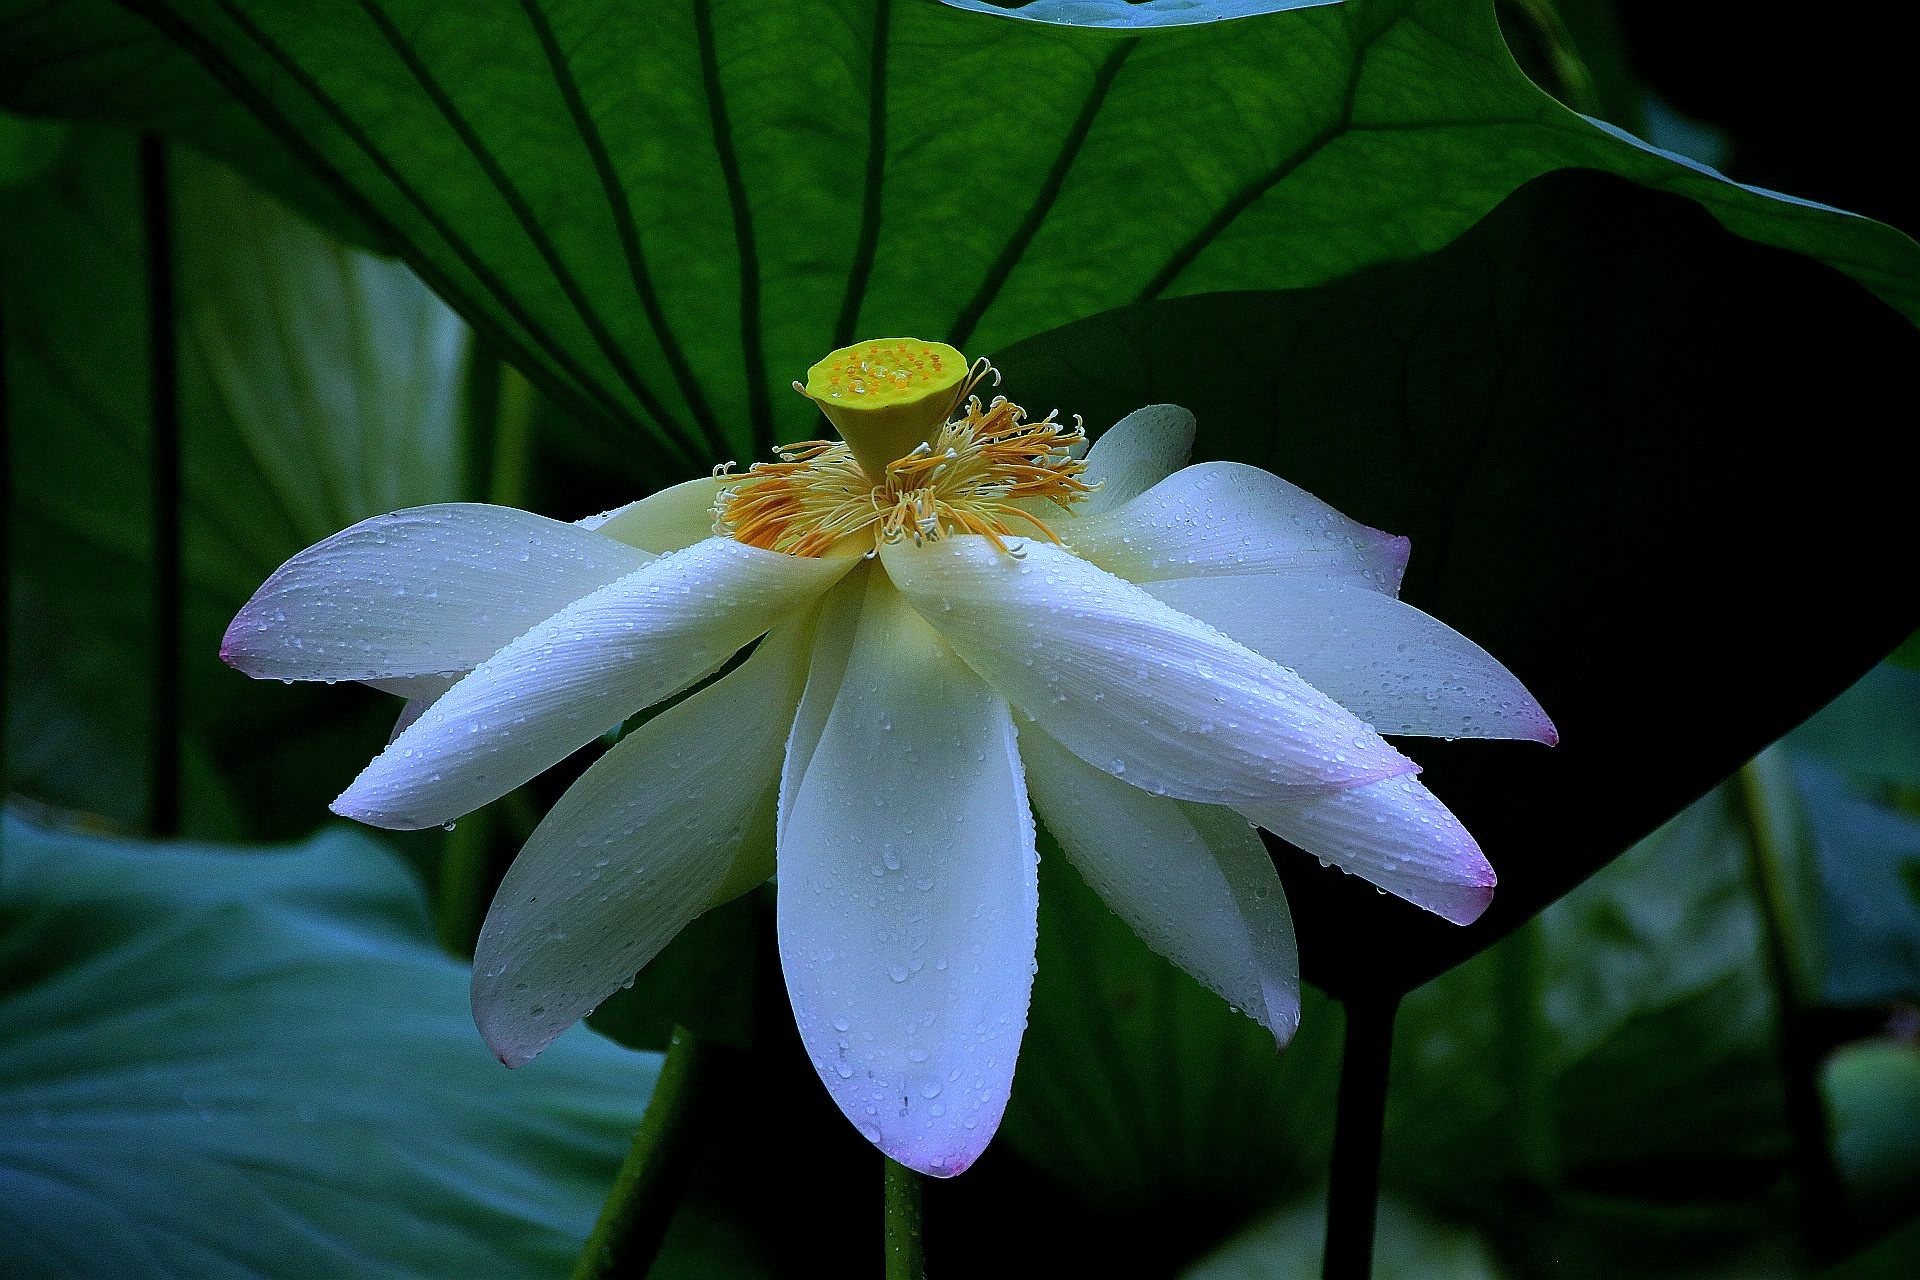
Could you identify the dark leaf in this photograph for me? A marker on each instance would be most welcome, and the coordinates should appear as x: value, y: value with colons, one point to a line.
x: 663, y: 214
x: 1592, y: 415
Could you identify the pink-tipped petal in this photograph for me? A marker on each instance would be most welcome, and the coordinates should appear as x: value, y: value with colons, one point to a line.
x: 426, y: 591
x: 1228, y: 518
x: 1380, y: 658
x: 1396, y: 834
x: 908, y: 895
x: 1194, y: 881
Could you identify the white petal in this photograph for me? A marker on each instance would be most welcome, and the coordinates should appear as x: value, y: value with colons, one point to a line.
x: 833, y: 633
x: 1380, y: 658
x: 1396, y: 834
x: 908, y: 895
x: 419, y: 592
x: 1135, y: 454
x: 635, y: 849
x: 677, y: 516
x: 1132, y: 686
x: 420, y: 693
x: 579, y: 673
x: 1225, y: 517
x: 1194, y: 881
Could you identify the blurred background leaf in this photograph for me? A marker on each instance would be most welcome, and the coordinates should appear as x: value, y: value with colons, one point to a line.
x: 1857, y: 764
x: 1873, y: 1090
x: 1137, y: 1084
x: 243, y: 1062
x: 319, y: 386
x: 1408, y: 1245
x: 1893, y: 1258
x: 662, y: 220
x: 1626, y: 1049
x: 27, y: 147
x: 1908, y: 654
x: 1601, y: 1092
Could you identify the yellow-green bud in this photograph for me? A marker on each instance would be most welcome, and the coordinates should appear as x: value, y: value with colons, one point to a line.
x: 887, y: 396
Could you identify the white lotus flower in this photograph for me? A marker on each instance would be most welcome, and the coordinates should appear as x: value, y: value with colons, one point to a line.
x: 1150, y: 658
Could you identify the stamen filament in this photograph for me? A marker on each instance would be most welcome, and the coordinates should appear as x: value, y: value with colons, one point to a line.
x: 971, y: 477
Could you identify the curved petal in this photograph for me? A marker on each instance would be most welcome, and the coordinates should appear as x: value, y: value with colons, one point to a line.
x: 1396, y: 834
x: 635, y: 849
x: 582, y: 671
x: 418, y: 592
x: 1132, y: 686
x: 833, y: 634
x: 1226, y: 517
x: 909, y: 897
x: 1380, y: 658
x: 677, y: 516
x: 1194, y: 881
x: 1135, y: 454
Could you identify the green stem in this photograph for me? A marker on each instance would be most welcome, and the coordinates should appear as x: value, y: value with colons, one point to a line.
x: 1360, y: 1113
x: 633, y: 1222
x: 480, y: 384
x: 906, y: 1252
x: 1825, y: 1214
x: 512, y: 439
x: 163, y: 762
x: 466, y: 881
x: 1763, y: 781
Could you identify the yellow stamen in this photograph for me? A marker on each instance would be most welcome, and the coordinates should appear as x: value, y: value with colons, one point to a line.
x: 970, y: 475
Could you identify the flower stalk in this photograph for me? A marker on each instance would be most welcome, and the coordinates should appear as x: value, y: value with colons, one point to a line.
x: 1826, y: 1216
x: 163, y: 761
x: 1353, y: 1187
x: 906, y: 1250
x: 634, y: 1220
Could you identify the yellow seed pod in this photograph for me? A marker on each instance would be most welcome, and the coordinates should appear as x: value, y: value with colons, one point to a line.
x: 886, y: 396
